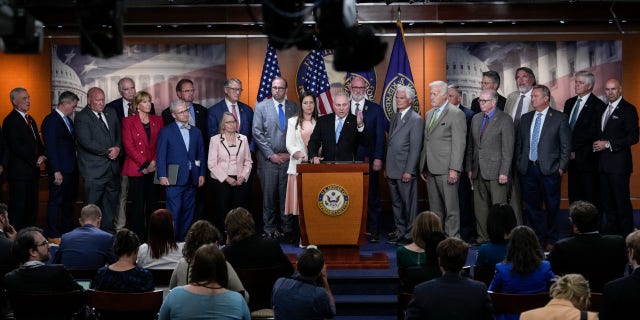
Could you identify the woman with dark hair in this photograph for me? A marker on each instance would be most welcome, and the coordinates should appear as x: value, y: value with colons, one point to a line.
x: 299, y: 129
x: 206, y: 295
x: 426, y: 233
x: 524, y: 270
x: 230, y: 166
x: 202, y: 232
x: 500, y: 221
x: 161, y: 250
x: 140, y: 138
x: 244, y: 250
x: 124, y: 275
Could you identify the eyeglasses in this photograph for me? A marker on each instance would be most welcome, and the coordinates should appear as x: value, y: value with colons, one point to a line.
x: 484, y: 101
x: 181, y: 112
x: 278, y: 88
x: 188, y: 91
x: 44, y: 243
x: 486, y: 83
x: 358, y: 88
x: 230, y: 122
x: 235, y: 89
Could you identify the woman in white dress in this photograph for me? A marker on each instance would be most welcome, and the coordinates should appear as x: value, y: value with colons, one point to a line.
x: 299, y: 131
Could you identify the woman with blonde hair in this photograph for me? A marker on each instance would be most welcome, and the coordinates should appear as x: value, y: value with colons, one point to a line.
x: 570, y: 296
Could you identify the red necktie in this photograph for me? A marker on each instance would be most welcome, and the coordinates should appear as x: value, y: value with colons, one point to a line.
x: 235, y: 114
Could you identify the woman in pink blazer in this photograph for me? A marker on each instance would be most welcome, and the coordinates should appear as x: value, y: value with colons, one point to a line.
x: 140, y: 138
x: 230, y: 164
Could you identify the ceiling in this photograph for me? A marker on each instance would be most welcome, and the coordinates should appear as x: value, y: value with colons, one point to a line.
x: 244, y: 17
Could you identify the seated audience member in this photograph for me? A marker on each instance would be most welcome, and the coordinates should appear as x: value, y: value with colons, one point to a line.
x: 301, y: 297
x: 161, y: 250
x: 124, y: 275
x: 206, y: 296
x: 426, y: 233
x: 523, y: 270
x: 86, y: 247
x: 31, y: 249
x: 201, y: 232
x: 500, y: 221
x: 7, y: 234
x: 451, y: 296
x: 569, y: 301
x: 599, y: 258
x: 621, y: 297
x: 244, y: 250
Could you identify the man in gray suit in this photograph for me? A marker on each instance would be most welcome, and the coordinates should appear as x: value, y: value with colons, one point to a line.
x: 403, y: 155
x: 445, y: 133
x: 269, y: 134
x: 99, y: 143
x: 488, y: 159
x: 542, y: 149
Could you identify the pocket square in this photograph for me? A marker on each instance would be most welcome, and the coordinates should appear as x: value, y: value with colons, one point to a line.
x: 614, y: 117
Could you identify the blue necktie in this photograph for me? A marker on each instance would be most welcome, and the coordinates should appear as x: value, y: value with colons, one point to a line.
x: 535, y: 137
x: 338, y: 129
x: 574, y: 114
x: 66, y: 120
x: 281, y: 116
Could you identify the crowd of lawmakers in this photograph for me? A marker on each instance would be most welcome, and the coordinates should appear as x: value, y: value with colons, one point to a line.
x: 511, y: 150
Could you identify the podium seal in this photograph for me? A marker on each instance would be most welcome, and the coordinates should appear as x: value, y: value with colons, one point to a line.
x: 333, y: 200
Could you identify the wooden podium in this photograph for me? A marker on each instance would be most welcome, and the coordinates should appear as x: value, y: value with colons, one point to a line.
x: 333, y: 203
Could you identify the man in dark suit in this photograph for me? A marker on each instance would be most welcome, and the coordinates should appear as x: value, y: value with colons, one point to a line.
x: 621, y: 297
x: 181, y: 144
x: 467, y: 216
x: 488, y: 158
x: 598, y: 258
x: 62, y: 165
x: 433, y: 299
x: 26, y: 154
x: 231, y: 103
x: 34, y: 276
x: 198, y: 118
x: 584, y: 112
x: 542, y: 150
x: 339, y: 134
x: 618, y: 132
x: 403, y: 157
x: 7, y: 234
x: 372, y: 154
x: 86, y: 247
x: 490, y: 80
x: 123, y: 107
x: 99, y: 138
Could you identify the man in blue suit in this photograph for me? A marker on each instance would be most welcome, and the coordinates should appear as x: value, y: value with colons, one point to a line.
x: 543, y: 146
x: 231, y: 103
x: 373, y: 152
x: 180, y: 144
x: 86, y: 247
x: 60, y: 144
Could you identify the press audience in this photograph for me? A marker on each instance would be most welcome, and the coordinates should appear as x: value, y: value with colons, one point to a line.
x: 161, y: 250
x: 621, y: 297
x: 569, y: 301
x: 206, y: 296
x: 7, y: 235
x: 500, y: 221
x: 124, y: 275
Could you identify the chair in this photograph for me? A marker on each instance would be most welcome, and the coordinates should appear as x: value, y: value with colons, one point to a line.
x: 484, y: 274
x: 161, y: 277
x: 55, y: 305
x: 119, y: 305
x: 515, y: 303
x: 259, y: 283
x: 596, y: 302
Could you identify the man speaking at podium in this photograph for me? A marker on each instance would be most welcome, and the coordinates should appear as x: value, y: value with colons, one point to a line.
x: 338, y: 134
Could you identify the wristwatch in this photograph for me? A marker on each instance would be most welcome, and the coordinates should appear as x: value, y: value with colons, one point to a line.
x: 607, y: 145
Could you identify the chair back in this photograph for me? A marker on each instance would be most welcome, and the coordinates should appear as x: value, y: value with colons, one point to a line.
x: 259, y: 283
x: 517, y: 303
x: 596, y: 302
x: 83, y: 274
x: 54, y: 305
x: 161, y: 277
x: 116, y: 305
x: 484, y: 274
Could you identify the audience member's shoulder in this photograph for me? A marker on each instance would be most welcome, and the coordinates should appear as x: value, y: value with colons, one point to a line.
x: 614, y: 238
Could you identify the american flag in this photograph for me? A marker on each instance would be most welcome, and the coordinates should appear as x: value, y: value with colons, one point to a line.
x: 270, y: 70
x: 316, y: 81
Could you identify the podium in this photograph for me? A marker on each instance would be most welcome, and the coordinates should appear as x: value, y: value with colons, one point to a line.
x: 333, y: 203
